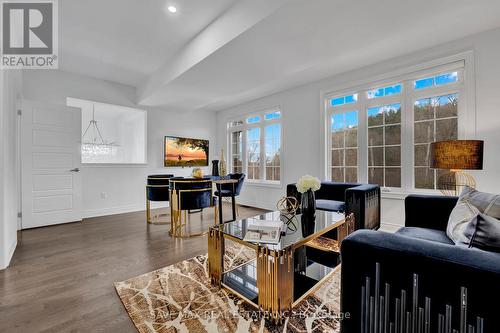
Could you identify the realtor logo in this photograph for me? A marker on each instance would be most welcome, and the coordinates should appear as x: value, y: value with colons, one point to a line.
x: 29, y: 34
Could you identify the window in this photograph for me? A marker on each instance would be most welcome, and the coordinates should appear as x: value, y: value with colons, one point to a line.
x: 255, y: 146
x: 436, y: 119
x: 386, y: 91
x: 381, y: 133
x: 344, y: 146
x: 111, y: 134
x: 272, y: 137
x: 253, y: 153
x: 253, y: 120
x: 438, y: 80
x: 344, y: 100
x: 384, y: 145
x: 236, y: 152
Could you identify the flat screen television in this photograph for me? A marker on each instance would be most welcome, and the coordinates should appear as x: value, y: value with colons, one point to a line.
x: 185, y: 152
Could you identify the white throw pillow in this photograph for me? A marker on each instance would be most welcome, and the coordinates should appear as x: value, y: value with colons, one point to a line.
x: 486, y: 203
x: 459, y: 218
x: 470, y: 203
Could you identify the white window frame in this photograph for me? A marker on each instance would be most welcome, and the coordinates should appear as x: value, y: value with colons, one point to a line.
x: 463, y: 63
x: 262, y: 125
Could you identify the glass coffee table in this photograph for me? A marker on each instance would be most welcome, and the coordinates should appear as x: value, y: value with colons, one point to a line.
x: 281, y: 275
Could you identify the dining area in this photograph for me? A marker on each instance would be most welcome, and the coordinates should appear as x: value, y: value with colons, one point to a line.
x: 192, y: 200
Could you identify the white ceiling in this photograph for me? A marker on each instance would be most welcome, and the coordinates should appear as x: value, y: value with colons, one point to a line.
x: 127, y: 40
x: 253, y: 47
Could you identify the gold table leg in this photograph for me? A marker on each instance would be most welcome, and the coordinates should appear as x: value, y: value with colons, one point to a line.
x: 275, y: 282
x: 345, y: 229
x: 148, y: 210
x: 215, y: 256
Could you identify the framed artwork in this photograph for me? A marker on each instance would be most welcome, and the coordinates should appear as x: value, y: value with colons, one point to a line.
x: 185, y: 152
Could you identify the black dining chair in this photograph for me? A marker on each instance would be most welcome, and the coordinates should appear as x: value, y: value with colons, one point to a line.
x: 187, y: 195
x: 225, y: 191
x: 157, y: 189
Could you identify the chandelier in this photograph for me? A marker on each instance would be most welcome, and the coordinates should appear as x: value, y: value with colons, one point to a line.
x: 93, y: 143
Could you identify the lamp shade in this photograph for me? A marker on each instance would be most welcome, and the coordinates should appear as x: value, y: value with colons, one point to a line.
x: 457, y: 155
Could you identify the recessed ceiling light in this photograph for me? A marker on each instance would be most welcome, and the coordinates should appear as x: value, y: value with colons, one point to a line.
x: 172, y: 9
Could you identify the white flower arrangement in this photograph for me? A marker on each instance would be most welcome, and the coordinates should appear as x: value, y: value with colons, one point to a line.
x: 307, y: 183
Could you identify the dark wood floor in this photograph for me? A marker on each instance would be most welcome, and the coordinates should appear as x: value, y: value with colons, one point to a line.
x: 61, y: 277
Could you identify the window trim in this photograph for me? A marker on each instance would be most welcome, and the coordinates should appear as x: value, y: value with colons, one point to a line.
x: 466, y: 113
x: 262, y: 124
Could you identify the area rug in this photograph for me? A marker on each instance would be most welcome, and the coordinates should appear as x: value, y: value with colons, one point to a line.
x: 179, y: 298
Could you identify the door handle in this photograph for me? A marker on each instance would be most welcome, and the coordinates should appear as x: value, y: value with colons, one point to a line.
x: 75, y: 170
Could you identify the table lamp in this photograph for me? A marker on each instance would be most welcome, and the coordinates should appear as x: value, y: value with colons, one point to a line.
x: 456, y: 156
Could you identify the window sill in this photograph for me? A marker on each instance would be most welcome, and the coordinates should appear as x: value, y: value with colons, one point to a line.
x: 263, y: 184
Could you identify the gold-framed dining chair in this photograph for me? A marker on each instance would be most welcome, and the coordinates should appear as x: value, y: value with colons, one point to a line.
x: 157, y: 190
x: 187, y: 195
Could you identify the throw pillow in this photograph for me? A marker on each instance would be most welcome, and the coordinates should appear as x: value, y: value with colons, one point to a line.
x: 459, y: 218
x: 486, y: 203
x: 469, y: 204
x: 482, y: 232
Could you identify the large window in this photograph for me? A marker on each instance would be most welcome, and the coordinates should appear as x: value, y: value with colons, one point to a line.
x: 111, y: 134
x: 381, y: 133
x: 255, y: 146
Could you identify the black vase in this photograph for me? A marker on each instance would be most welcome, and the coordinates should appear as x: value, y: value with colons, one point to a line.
x: 215, y: 168
x: 308, y: 210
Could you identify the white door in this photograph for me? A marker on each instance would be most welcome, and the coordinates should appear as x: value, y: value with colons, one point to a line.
x: 50, y: 162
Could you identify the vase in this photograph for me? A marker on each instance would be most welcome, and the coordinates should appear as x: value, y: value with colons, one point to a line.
x: 215, y: 168
x: 222, y: 165
x: 308, y: 211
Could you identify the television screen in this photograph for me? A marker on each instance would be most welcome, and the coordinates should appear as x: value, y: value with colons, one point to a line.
x: 185, y: 152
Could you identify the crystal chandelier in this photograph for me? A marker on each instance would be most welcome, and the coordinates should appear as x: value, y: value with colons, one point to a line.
x: 93, y: 144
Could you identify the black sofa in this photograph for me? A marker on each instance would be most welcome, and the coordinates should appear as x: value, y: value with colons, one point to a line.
x: 361, y: 199
x: 439, y: 284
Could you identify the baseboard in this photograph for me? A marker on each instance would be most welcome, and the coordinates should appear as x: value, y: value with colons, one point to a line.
x: 112, y: 211
x: 9, y: 256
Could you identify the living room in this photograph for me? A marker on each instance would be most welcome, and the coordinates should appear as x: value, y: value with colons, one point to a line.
x: 390, y: 106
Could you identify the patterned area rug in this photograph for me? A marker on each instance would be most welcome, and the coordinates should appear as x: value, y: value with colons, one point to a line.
x: 179, y: 298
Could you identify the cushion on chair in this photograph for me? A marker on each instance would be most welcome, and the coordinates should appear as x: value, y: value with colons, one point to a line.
x: 426, y: 234
x: 330, y: 205
x: 225, y: 193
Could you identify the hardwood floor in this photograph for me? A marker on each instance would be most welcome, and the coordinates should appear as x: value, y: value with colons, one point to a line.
x: 61, y: 277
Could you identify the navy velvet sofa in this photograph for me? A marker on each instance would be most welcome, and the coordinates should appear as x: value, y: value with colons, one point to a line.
x: 361, y: 199
x: 417, y: 280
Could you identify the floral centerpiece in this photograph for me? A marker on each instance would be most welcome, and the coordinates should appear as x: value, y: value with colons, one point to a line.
x: 307, y: 185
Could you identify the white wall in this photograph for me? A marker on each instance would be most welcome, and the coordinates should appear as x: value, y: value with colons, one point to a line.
x: 10, y: 90
x: 302, y: 118
x: 119, y: 188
